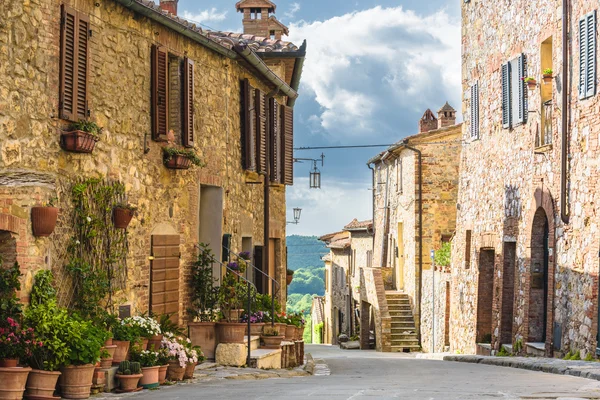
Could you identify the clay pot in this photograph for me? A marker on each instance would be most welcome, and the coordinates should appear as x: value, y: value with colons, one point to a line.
x: 41, y: 384
x: 548, y: 78
x: 128, y: 383
x: 78, y: 141
x: 162, y: 374
x: 175, y: 372
x: 155, y: 342
x: 122, y: 217
x: 204, y: 334
x: 189, y: 370
x: 121, y: 351
x: 178, y: 161
x: 149, y: 379
x: 106, y: 362
x: 43, y: 220
x: 290, y: 332
x: 288, y: 279
x: 531, y: 85
x: 109, y: 342
x: 9, y: 362
x: 76, y: 381
x: 272, y: 342
x: 145, y: 344
x: 256, y: 328
x: 300, y: 333
x: 13, y: 382
x: 280, y: 327
x: 231, y: 332
x: 233, y: 315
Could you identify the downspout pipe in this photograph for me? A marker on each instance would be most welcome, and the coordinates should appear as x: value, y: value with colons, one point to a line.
x: 369, y: 164
x: 386, y: 217
x: 564, y: 206
x: 420, y: 286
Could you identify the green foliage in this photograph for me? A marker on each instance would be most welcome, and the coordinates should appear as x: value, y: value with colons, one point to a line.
x: 318, y: 329
x: 124, y: 368
x: 442, y: 256
x: 576, y: 356
x: 125, y: 332
x: 91, y: 290
x: 10, y: 307
x: 169, y: 152
x: 231, y: 295
x: 167, y: 325
x: 518, y: 346
x: 86, y: 126
x: 205, y: 295
x: 589, y: 356
x: 306, y: 335
x: 299, y: 303
x: 547, y: 71
x: 502, y: 352
x: 85, y: 341
x: 52, y: 329
x: 308, y: 280
x: 126, y: 206
x: 146, y: 358
x: 43, y: 292
x: 529, y: 79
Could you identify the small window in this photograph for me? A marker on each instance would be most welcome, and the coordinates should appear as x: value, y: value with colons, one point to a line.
x: 514, y: 95
x: 468, y: 250
x: 475, y: 111
x: 587, y: 56
x: 399, y: 173
x: 272, y: 35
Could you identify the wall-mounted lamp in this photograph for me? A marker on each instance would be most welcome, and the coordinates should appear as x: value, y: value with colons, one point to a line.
x: 297, y: 212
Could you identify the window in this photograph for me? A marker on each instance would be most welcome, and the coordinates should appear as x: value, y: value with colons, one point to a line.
x: 275, y: 140
x: 399, y: 173
x: 272, y: 35
x: 74, y: 65
x: 260, y: 106
x: 287, y: 145
x: 353, y: 262
x: 514, y: 100
x: 468, y: 250
x: 172, y: 96
x: 545, y: 137
x: 475, y: 111
x: 369, y: 258
x: 587, y: 56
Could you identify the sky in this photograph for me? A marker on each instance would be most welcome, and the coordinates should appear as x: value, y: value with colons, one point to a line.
x: 372, y: 69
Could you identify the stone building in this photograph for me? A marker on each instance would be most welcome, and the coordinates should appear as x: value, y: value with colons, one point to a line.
x: 151, y: 80
x: 317, y: 316
x: 414, y: 205
x: 525, y: 253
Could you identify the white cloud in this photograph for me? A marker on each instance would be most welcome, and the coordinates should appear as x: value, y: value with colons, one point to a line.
x: 327, y: 209
x: 294, y: 8
x: 368, y: 67
x: 208, y: 15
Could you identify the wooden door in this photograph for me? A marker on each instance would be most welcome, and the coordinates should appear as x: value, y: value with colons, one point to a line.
x: 164, y: 276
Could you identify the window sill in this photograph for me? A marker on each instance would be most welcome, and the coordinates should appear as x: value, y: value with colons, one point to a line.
x: 543, y: 149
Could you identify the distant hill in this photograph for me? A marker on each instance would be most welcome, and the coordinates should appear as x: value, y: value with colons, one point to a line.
x: 305, y: 251
x: 304, y: 257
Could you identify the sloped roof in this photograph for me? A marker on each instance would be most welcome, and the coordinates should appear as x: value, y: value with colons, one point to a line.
x: 357, y: 225
x: 329, y: 236
x: 446, y: 107
x: 428, y: 115
x: 286, y: 31
x: 340, y: 244
x: 259, y: 44
x: 240, y: 5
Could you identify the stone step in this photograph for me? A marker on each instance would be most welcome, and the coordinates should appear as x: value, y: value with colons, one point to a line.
x: 399, y: 307
x: 265, y: 359
x: 254, y: 342
x: 398, y: 301
x: 403, y: 318
x: 400, y: 313
x: 397, y: 329
x: 405, y: 343
x: 404, y: 335
x: 536, y: 349
x: 405, y: 349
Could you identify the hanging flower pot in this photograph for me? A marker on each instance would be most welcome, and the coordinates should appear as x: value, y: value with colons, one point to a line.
x: 41, y: 384
x: 548, y: 78
x: 289, y: 276
x: 43, y: 220
x: 122, y: 215
x: 180, y: 159
x: 78, y: 142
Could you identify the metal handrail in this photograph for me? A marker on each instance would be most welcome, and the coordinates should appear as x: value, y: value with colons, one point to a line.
x: 273, y: 283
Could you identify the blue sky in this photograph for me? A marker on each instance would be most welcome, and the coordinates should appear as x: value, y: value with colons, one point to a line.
x: 372, y: 68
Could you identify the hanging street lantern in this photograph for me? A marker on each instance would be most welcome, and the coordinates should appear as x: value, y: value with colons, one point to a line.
x: 314, y: 175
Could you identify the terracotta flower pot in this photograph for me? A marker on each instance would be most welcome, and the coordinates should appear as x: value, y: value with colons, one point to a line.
x: 109, y: 342
x: 149, y: 378
x: 41, y: 384
x: 162, y: 374
x: 299, y: 333
x: 531, y: 84
x: 189, y: 370
x: 122, y: 217
x: 145, y: 344
x: 121, y: 351
x: 290, y: 332
x: 288, y: 279
x: 175, y: 372
x: 234, y: 315
x: 272, y: 342
x: 155, y: 342
x: 548, y: 78
x: 280, y: 327
x: 128, y: 383
x: 256, y: 328
x: 76, y: 381
x: 178, y: 161
x: 78, y: 142
x: 43, y: 220
x: 13, y: 382
x: 106, y: 362
x: 231, y: 332
x: 9, y: 362
x: 204, y: 334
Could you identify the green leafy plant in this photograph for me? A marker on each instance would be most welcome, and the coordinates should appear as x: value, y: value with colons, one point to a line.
x: 518, y: 346
x: 442, y: 256
x: 10, y: 307
x: 43, y: 292
x: 126, y: 332
x: 126, y: 206
x: 85, y: 341
x: 205, y: 294
x: 52, y: 330
x: 529, y: 79
x: 146, y: 358
x: 589, y: 356
x: 502, y: 352
x: 169, y: 152
x: 129, y: 368
x: 230, y: 297
x: 547, y: 72
x: 168, y: 326
x: 86, y: 126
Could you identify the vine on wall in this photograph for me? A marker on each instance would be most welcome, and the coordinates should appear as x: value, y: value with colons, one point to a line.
x: 97, y: 251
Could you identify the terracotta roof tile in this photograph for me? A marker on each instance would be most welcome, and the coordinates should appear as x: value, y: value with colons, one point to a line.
x: 446, y: 107
x: 257, y: 43
x: 340, y: 244
x: 359, y: 225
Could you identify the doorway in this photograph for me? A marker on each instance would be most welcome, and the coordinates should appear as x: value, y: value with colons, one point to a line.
x: 508, y: 292
x: 538, y: 291
x: 485, y: 295
x: 210, y: 222
x: 164, y: 276
x: 400, y: 257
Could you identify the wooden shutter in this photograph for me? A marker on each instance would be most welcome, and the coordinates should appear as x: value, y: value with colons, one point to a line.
x: 587, y: 56
x: 248, y: 127
x: 506, y: 112
x: 519, y: 89
x: 160, y: 93
x: 74, y: 65
x: 261, y: 130
x: 475, y: 111
x: 287, y: 129
x: 188, y: 103
x: 275, y: 141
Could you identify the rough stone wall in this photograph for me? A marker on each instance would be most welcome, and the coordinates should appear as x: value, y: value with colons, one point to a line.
x: 372, y: 295
x: 361, y: 242
x: 33, y: 167
x: 504, y: 179
x: 442, y: 277
x: 339, y: 292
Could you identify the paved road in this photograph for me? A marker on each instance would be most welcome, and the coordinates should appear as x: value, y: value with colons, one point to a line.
x: 359, y: 375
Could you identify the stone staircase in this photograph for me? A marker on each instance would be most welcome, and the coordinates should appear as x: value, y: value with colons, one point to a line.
x: 404, y: 333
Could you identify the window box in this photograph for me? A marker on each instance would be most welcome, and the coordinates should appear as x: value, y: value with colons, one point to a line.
x: 177, y: 161
x: 78, y: 141
x: 174, y: 158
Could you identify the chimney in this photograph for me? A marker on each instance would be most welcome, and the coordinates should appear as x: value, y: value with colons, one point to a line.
x: 446, y: 116
x: 428, y: 122
x: 169, y: 5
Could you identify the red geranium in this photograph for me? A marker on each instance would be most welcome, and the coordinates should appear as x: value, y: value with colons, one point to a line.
x: 17, y: 342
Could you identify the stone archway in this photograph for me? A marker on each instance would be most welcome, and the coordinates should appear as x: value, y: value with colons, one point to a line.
x: 538, y: 284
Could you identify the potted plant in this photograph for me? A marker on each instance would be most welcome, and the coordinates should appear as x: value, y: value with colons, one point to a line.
x: 531, y: 82
x: 256, y: 322
x: 194, y: 355
x: 122, y: 215
x: 129, y: 374
x: 205, y: 296
x: 43, y: 218
x: 149, y: 363
x: 177, y: 357
x: 289, y: 276
x: 229, y: 330
x: 272, y: 338
x: 147, y: 328
x: 80, y: 137
x: 297, y: 320
x: 15, y: 343
x: 547, y: 73
x: 123, y: 335
x: 163, y: 362
x: 174, y: 158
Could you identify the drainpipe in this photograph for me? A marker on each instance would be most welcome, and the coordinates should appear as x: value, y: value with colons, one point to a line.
x: 564, y: 212
x: 420, y: 286
x: 372, y: 202
x: 386, y: 215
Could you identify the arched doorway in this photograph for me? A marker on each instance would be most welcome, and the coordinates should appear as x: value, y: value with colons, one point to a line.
x: 538, y: 287
x: 8, y: 248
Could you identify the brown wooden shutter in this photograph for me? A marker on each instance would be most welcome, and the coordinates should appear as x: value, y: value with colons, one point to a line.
x: 261, y: 130
x: 160, y: 93
x: 275, y: 141
x: 74, y: 65
x: 188, y: 103
x: 287, y: 130
x: 248, y: 127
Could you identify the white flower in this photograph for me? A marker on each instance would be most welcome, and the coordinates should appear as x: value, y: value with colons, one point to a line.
x: 89, y: 219
x: 77, y: 242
